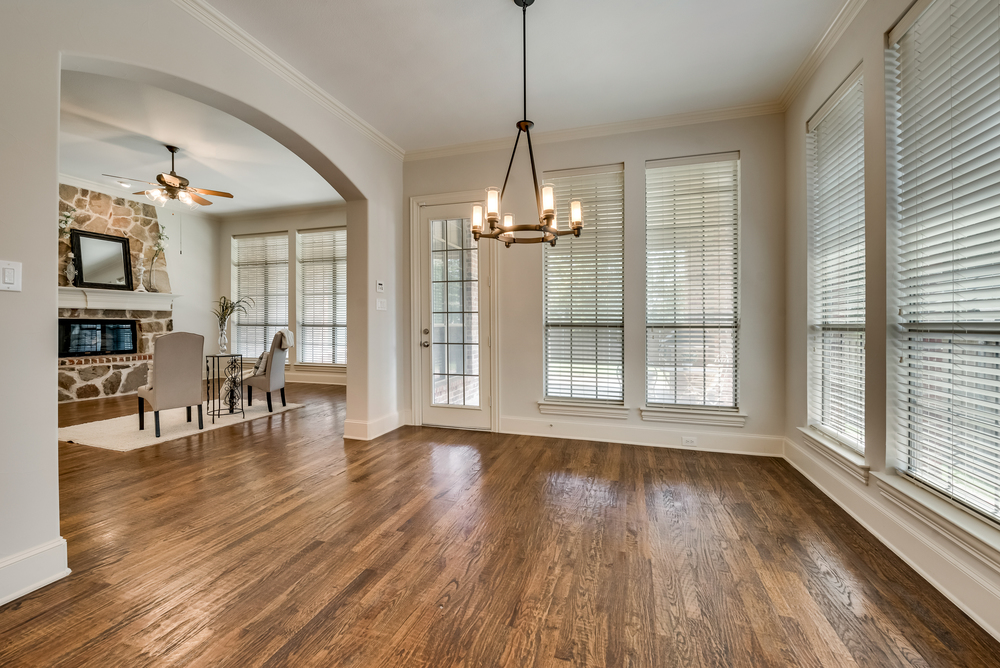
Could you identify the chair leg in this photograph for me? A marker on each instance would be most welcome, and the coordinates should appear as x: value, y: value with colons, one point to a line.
x: 283, y: 397
x: 156, y: 421
x: 189, y: 413
x: 201, y: 423
x: 269, y: 402
x: 249, y: 395
x: 142, y: 414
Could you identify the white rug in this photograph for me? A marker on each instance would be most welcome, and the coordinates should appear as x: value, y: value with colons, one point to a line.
x: 122, y: 434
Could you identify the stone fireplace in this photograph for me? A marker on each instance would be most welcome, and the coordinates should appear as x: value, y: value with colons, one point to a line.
x: 93, y: 376
x: 104, y: 376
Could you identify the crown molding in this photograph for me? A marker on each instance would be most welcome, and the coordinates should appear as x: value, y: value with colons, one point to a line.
x: 591, y: 131
x: 826, y: 43
x: 222, y: 25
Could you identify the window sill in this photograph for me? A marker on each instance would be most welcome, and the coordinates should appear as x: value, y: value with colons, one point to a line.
x: 583, y: 409
x: 851, y: 461
x: 977, y: 536
x: 715, y: 417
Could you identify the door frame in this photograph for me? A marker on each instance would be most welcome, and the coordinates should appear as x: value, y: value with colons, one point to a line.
x: 416, y: 297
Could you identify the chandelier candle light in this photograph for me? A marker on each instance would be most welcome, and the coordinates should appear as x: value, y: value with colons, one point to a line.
x: 547, y: 228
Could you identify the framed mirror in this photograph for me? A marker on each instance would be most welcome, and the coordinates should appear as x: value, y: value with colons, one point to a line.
x: 102, y: 261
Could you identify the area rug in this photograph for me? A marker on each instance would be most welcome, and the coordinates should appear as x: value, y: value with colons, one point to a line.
x: 122, y: 434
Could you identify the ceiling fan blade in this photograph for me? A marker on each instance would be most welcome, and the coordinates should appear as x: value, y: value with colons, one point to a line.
x: 199, y: 199
x: 203, y: 191
x: 141, y: 192
x: 125, y: 178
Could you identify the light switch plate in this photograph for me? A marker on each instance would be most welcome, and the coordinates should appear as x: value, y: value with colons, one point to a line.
x: 10, y: 276
x: 379, y: 286
x: 381, y: 305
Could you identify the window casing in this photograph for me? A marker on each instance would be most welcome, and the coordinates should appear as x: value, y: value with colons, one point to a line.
x: 943, y: 85
x: 692, y: 281
x: 322, y: 297
x: 583, y: 303
x: 836, y: 211
x: 260, y: 271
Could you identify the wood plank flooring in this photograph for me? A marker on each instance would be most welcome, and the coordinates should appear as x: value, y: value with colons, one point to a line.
x: 275, y: 543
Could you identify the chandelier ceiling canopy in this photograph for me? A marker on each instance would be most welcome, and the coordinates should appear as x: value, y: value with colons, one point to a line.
x: 502, y: 226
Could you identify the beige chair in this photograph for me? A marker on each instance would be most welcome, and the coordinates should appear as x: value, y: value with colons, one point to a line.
x: 273, y: 378
x: 177, y: 364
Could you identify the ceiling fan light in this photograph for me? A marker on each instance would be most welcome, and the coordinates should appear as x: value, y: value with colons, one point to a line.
x: 185, y: 197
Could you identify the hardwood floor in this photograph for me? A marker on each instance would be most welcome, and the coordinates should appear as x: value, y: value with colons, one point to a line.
x: 274, y: 543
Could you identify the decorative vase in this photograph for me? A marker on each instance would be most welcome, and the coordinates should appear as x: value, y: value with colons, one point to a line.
x: 223, y: 339
x: 71, y: 268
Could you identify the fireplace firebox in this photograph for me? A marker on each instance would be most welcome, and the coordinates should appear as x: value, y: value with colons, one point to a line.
x: 83, y: 337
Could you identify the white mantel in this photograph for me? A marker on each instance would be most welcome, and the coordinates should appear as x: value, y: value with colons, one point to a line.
x: 96, y: 298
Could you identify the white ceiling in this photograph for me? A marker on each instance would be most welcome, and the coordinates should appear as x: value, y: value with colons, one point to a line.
x: 442, y: 72
x: 114, y: 126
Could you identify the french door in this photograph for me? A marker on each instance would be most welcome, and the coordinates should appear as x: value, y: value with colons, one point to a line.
x: 454, y: 320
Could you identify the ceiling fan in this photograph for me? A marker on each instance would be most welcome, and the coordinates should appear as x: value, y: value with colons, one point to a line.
x: 172, y: 186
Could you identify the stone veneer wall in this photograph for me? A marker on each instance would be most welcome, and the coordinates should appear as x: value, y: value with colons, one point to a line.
x: 104, y: 214
x: 93, y: 377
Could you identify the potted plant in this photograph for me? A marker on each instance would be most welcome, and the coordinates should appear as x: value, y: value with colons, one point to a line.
x: 225, y: 309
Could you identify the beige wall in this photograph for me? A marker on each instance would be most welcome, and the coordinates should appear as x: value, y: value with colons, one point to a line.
x: 760, y: 141
x: 290, y: 222
x: 965, y: 569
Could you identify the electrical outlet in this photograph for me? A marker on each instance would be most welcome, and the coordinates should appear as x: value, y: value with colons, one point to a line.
x: 379, y: 286
x: 689, y: 440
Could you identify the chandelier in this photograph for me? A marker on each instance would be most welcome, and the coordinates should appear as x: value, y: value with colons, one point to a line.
x: 502, y: 227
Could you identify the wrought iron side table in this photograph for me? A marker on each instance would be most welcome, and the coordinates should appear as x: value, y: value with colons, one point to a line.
x: 224, y: 382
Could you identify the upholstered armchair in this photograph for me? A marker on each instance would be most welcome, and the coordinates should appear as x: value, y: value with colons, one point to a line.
x: 274, y: 376
x: 178, y: 359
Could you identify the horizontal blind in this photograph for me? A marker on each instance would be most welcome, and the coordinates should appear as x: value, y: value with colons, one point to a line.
x: 944, y: 82
x: 584, y: 292
x: 836, y: 194
x: 322, y: 302
x: 261, y: 268
x: 692, y: 310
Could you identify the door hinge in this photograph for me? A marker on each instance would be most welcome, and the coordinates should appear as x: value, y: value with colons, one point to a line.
x: 489, y: 341
x: 489, y: 281
x: 491, y: 401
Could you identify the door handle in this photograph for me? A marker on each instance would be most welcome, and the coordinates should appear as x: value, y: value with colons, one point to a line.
x: 425, y: 344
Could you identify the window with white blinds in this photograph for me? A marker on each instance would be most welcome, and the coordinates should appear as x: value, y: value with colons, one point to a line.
x: 944, y: 172
x: 584, y: 289
x: 260, y: 270
x: 835, y: 147
x: 692, y: 305
x: 322, y: 298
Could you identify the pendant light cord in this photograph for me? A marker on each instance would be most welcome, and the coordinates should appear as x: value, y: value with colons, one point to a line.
x: 524, y: 57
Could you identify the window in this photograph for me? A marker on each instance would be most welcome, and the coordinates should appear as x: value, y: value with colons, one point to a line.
x: 835, y: 148
x: 944, y: 252
x: 322, y: 298
x: 692, y: 316
x: 584, y: 289
x: 260, y: 266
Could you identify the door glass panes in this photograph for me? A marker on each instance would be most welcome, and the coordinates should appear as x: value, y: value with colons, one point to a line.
x: 454, y: 313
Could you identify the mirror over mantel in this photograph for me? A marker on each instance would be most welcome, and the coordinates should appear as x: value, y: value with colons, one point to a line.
x: 102, y: 261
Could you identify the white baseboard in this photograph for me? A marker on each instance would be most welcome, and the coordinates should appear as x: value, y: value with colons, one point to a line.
x: 959, y: 575
x: 361, y: 430
x: 316, y: 377
x: 660, y: 436
x: 26, y: 571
